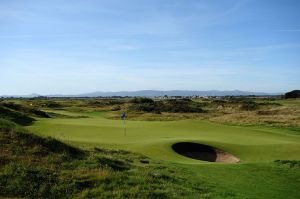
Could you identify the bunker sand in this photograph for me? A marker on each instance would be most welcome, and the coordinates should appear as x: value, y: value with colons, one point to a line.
x: 204, y: 152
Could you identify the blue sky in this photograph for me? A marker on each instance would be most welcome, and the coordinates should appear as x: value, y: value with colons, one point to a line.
x: 79, y: 46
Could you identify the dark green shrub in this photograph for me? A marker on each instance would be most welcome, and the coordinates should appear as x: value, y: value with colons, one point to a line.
x: 141, y: 100
x: 292, y: 94
x: 249, y: 106
x: 289, y: 163
x: 51, y: 104
x: 146, y: 107
x: 115, y: 102
x: 116, y: 108
x: 181, y: 106
x: 172, y: 106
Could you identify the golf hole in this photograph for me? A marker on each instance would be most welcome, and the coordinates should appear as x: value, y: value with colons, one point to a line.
x: 203, y: 152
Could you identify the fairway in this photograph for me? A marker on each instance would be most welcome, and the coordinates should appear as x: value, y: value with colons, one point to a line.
x: 155, y: 138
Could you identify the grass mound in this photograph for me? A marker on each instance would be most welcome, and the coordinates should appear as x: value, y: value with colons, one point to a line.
x: 15, y: 116
x: 20, y: 114
x: 25, y: 110
x: 16, y: 141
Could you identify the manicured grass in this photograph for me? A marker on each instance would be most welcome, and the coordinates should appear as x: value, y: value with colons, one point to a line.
x: 249, y: 180
x: 289, y: 102
x: 154, y: 138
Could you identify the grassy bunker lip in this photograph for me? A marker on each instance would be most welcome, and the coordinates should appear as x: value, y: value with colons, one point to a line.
x: 203, y: 152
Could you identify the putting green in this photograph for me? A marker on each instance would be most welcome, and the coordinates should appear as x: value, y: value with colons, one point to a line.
x: 155, y: 138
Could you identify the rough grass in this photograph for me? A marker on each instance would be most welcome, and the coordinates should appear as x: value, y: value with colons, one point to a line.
x: 276, y: 180
x: 282, y: 116
x: 164, y: 116
x: 240, y: 111
x: 25, y: 109
x: 280, y: 113
x: 15, y: 116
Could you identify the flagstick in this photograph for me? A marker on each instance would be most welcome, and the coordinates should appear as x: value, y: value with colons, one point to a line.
x: 124, y: 123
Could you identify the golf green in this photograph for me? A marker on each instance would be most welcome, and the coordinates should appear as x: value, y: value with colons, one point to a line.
x: 155, y: 138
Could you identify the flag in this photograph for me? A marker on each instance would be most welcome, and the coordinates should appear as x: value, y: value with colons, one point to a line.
x: 123, y: 116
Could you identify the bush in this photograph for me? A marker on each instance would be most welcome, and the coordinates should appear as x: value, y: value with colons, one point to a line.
x: 116, y: 108
x: 249, y: 106
x: 172, y: 106
x: 146, y: 107
x: 292, y: 94
x: 141, y: 100
x: 52, y: 104
x: 182, y: 106
x: 289, y: 163
x: 115, y: 102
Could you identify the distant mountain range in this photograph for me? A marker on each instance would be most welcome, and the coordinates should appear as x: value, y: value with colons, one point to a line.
x: 153, y: 93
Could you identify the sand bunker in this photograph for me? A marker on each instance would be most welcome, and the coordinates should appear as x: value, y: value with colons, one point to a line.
x: 203, y: 152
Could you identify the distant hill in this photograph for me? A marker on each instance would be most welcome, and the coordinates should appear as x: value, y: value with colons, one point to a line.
x: 153, y: 93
